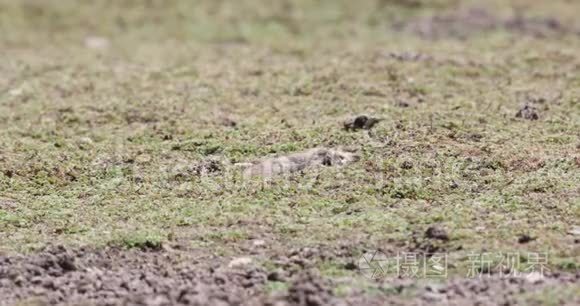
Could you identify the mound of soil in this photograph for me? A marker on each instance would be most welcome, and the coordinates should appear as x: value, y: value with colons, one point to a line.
x: 112, y: 276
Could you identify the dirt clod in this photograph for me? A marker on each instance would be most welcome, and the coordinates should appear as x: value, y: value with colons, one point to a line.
x: 407, y: 165
x: 228, y: 122
x: 525, y: 238
x: 308, y: 289
x: 207, y: 167
x: 361, y: 122
x: 7, y: 204
x: 436, y: 232
x: 277, y: 276
x: 528, y: 112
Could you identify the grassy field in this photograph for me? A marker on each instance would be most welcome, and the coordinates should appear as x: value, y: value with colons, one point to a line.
x: 121, y: 122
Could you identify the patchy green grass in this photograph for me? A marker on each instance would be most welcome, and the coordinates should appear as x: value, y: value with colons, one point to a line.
x: 145, y: 241
x: 100, y: 144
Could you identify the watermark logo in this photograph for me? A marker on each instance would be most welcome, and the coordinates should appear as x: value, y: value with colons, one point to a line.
x: 373, y: 265
x: 377, y: 265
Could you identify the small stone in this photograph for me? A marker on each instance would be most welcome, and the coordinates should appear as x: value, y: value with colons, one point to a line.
x: 437, y: 288
x: 258, y: 243
x: 433, y: 297
x: 575, y: 230
x: 240, y: 262
x: 534, y: 277
x: 37, y: 280
x: 19, y: 281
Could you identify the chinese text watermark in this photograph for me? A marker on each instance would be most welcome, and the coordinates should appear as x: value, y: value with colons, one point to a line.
x: 378, y: 265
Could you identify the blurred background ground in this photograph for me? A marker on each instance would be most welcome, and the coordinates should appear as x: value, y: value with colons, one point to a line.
x: 120, y: 120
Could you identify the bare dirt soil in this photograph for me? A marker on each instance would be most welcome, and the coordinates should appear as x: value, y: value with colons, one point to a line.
x: 466, y: 22
x: 61, y: 276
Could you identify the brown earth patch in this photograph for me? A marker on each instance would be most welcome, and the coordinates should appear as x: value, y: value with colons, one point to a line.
x: 113, y: 276
x: 464, y: 23
x: 7, y: 204
x: 528, y: 164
